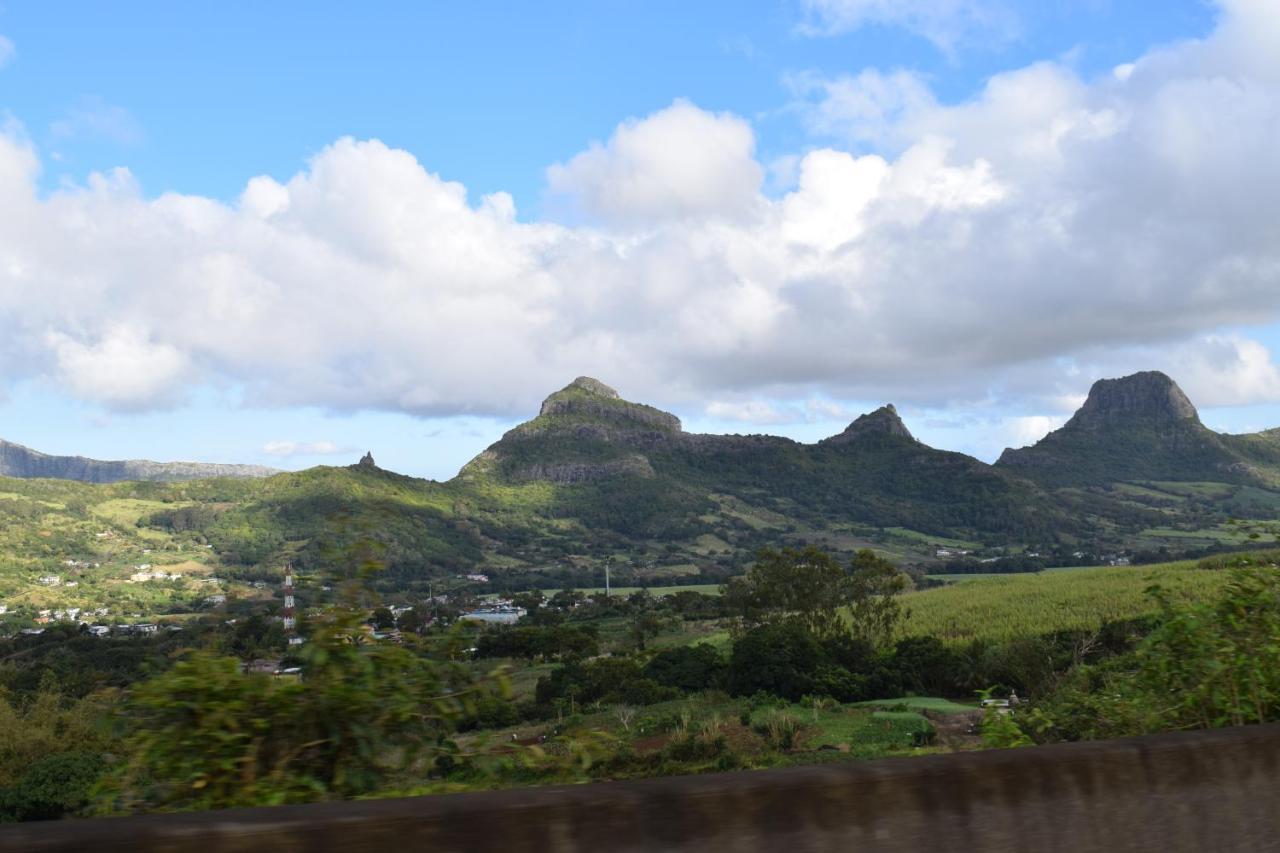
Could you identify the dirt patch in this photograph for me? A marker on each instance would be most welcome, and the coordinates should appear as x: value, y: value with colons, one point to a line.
x: 957, y: 731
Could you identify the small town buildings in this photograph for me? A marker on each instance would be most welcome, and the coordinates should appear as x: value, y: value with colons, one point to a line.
x: 500, y: 615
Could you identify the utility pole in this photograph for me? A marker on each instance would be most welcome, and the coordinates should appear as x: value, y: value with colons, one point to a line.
x: 607, y: 562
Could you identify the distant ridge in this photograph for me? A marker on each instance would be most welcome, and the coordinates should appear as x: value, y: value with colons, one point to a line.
x: 23, y: 462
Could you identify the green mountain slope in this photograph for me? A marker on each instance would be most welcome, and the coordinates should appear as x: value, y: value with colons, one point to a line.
x: 631, y: 469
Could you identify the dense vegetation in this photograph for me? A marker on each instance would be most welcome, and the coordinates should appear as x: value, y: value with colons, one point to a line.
x: 806, y: 658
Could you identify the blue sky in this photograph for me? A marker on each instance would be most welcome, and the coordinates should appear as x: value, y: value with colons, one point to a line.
x: 567, y: 108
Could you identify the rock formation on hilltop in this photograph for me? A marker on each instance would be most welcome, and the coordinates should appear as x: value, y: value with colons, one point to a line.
x: 1149, y: 397
x: 19, y: 461
x: 884, y: 421
x: 633, y: 467
x: 1138, y: 428
x: 583, y: 433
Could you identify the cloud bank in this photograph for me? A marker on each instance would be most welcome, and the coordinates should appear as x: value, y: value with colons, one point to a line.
x: 1050, y: 226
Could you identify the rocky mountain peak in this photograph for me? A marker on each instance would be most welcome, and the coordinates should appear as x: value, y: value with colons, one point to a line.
x: 883, y: 421
x: 590, y: 400
x: 1149, y: 396
x: 366, y: 461
x: 594, y: 386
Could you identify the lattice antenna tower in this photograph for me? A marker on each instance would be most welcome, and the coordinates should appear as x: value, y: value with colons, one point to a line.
x: 290, y: 620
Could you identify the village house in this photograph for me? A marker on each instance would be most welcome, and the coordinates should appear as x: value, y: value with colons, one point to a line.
x: 261, y: 666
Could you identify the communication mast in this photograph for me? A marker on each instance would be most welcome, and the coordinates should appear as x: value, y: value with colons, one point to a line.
x: 290, y: 621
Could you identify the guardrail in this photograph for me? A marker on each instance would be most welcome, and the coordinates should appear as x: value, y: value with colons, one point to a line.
x: 1208, y: 792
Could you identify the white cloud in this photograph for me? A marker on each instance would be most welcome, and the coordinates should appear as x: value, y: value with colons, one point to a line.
x: 863, y: 108
x: 1028, y: 429
x: 301, y: 448
x: 7, y: 51
x: 946, y: 23
x: 1227, y: 370
x: 122, y: 368
x: 749, y: 411
x: 679, y: 162
x: 1051, y: 224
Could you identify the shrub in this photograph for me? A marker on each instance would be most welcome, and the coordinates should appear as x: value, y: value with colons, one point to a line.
x: 780, y: 729
x: 780, y: 659
x: 688, y: 668
x: 54, y: 787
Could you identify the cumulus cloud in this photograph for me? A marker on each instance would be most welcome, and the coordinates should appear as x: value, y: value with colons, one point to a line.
x: 122, y: 367
x: 1050, y: 224
x: 302, y: 448
x: 1227, y: 370
x: 946, y: 23
x: 679, y: 162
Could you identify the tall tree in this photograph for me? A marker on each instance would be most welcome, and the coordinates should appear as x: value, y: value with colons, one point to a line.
x: 810, y: 588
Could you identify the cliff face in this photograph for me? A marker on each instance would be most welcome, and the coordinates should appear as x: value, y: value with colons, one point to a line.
x: 1149, y: 397
x: 23, y: 462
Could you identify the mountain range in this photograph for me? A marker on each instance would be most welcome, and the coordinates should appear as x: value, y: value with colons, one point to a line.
x: 594, y: 477
x: 23, y: 462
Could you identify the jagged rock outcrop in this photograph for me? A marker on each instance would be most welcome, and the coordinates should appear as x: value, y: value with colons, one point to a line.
x: 366, y: 461
x: 1147, y: 397
x: 585, y: 432
x: 19, y: 461
x: 884, y: 421
x: 1136, y: 428
x: 590, y: 401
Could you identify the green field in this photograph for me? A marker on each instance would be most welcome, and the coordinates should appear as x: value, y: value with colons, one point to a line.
x: 1001, y: 608
x: 918, y: 703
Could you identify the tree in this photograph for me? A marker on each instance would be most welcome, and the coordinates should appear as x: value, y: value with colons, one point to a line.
x: 872, y: 589
x: 689, y: 668
x: 625, y: 714
x: 803, y: 586
x: 809, y: 587
x: 782, y: 659
x: 644, y: 626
